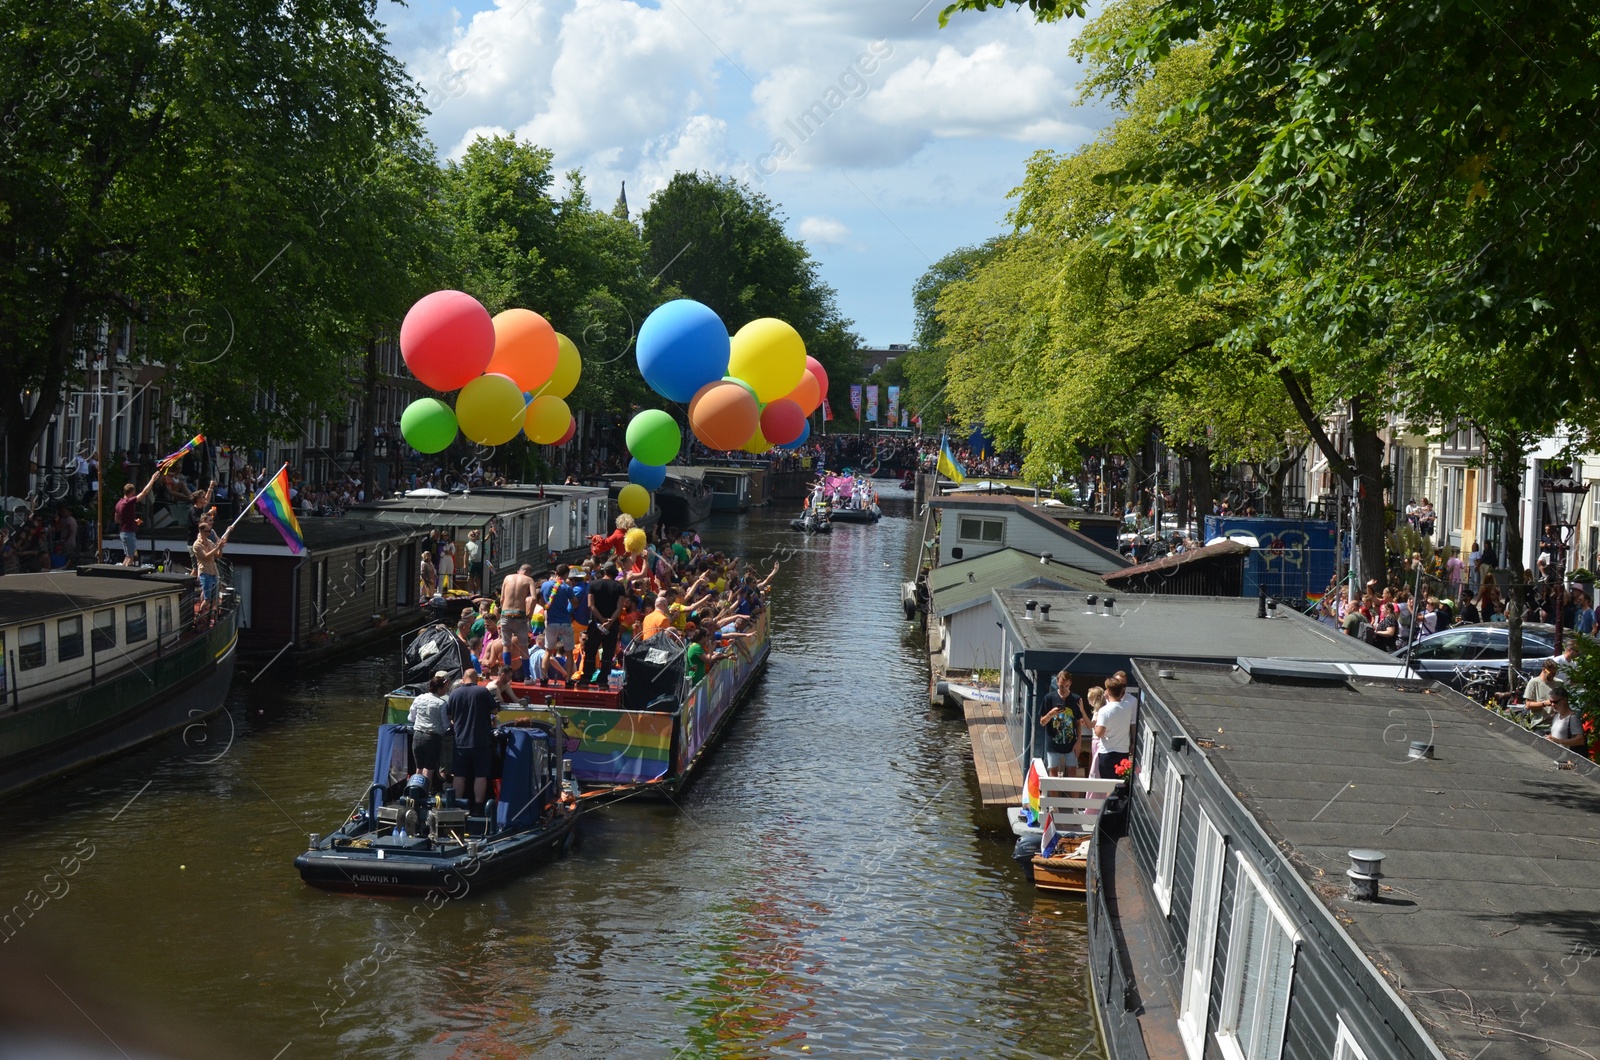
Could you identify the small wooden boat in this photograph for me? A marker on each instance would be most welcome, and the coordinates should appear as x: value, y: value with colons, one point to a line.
x: 403, y: 840
x: 1070, y: 809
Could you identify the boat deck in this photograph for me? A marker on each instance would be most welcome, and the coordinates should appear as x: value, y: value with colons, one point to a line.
x: 999, y: 773
x: 1156, y: 978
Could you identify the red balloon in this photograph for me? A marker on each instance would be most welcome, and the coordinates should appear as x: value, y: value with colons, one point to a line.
x: 447, y: 339
x: 782, y: 421
x: 808, y: 394
x: 814, y: 366
x: 724, y: 415
x: 572, y: 428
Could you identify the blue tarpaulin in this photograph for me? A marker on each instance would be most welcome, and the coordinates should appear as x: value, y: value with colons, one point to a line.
x: 1296, y: 557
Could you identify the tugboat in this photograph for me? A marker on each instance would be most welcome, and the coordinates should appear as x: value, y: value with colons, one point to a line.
x: 404, y: 841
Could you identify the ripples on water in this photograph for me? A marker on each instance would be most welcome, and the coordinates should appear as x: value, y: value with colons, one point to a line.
x: 830, y: 886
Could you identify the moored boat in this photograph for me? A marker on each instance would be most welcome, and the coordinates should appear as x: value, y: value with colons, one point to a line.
x: 403, y: 840
x: 100, y: 660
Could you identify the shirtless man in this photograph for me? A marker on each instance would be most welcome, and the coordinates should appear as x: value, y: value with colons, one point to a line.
x: 516, y: 601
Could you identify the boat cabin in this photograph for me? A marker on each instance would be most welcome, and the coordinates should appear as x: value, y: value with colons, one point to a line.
x: 961, y: 600
x: 1316, y: 864
x: 576, y: 513
x: 731, y: 488
x: 975, y: 525
x: 515, y: 527
x: 61, y: 631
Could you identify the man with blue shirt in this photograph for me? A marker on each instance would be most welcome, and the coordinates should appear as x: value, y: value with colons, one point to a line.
x: 558, y: 613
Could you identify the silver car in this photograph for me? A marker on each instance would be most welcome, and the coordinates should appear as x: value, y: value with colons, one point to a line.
x: 1449, y: 656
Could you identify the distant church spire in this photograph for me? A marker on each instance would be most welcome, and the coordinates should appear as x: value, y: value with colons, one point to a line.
x: 621, y: 208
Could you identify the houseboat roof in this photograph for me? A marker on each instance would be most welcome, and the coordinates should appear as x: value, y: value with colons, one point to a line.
x: 36, y: 597
x: 257, y: 537
x: 1487, y: 912
x: 959, y: 585
x: 1201, y: 628
x: 457, y: 508
x: 1052, y: 517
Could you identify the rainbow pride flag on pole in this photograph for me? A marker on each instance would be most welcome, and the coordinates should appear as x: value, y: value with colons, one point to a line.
x: 273, y: 500
x: 173, y: 458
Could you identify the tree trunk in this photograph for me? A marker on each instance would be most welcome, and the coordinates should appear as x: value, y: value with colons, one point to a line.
x: 1509, y: 459
x: 1369, y: 494
x: 1201, y: 483
x: 369, y: 413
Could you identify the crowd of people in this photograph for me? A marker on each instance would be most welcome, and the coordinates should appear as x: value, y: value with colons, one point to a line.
x: 568, y: 630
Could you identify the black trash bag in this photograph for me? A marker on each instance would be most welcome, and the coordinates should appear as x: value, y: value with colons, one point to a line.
x: 434, y: 648
x: 654, y: 670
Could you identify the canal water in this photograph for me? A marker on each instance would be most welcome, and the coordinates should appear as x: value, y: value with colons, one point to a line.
x: 830, y: 886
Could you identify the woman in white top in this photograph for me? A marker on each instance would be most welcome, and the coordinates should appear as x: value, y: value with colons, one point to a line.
x: 426, y: 719
x: 446, y: 564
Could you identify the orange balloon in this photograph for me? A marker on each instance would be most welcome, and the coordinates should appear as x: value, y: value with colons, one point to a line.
x: 723, y: 415
x: 808, y: 395
x: 525, y: 348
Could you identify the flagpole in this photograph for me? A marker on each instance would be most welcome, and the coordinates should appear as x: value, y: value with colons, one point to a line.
x: 249, y: 507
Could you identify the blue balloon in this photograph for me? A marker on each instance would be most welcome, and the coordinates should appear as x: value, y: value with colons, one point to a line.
x: 683, y: 345
x: 805, y: 432
x: 650, y: 476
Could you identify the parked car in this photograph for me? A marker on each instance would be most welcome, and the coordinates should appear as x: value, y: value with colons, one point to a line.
x: 1453, y: 654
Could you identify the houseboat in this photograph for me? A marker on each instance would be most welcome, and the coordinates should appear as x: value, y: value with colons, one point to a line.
x: 684, y: 499
x: 514, y: 527
x: 975, y: 524
x: 1310, y: 863
x: 354, y: 585
x: 100, y: 660
x: 577, y: 512
x: 730, y: 488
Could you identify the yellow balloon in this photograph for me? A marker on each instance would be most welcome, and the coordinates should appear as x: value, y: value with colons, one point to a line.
x: 757, y: 444
x: 489, y: 409
x: 770, y: 356
x: 546, y: 420
x: 569, y: 366
x: 634, y: 500
x: 634, y: 540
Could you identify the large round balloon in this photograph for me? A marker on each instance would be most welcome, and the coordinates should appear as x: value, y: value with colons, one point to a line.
x: 546, y: 420
x: 653, y: 437
x: 805, y: 435
x: 569, y: 366
x: 572, y: 429
x: 757, y: 444
x: 524, y: 348
x: 769, y: 355
x: 490, y: 410
x: 736, y: 381
x: 633, y: 499
x: 723, y: 415
x: 428, y: 425
x: 635, y: 540
x: 683, y: 345
x: 807, y: 394
x: 650, y: 476
x: 782, y: 421
x: 447, y: 339
x: 814, y: 366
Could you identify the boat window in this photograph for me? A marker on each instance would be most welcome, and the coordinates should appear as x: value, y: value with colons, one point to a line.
x: 982, y: 531
x: 1345, y: 1046
x: 1205, y: 901
x: 69, y: 638
x: 163, y: 617
x: 1167, y: 851
x: 30, y: 647
x: 105, y: 630
x: 1255, y: 997
x: 136, y: 623
x: 1147, y: 751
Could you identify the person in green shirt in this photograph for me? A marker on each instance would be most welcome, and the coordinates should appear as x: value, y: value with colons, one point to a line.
x: 680, y: 552
x: 695, y: 658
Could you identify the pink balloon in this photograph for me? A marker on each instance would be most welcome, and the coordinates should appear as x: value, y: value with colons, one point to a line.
x: 782, y: 421
x: 814, y: 366
x: 572, y: 428
x: 447, y: 339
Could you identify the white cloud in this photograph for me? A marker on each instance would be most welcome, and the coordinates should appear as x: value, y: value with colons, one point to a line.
x: 826, y: 230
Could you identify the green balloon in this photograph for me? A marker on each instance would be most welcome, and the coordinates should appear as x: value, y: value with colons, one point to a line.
x: 428, y: 425
x: 748, y: 389
x: 653, y: 437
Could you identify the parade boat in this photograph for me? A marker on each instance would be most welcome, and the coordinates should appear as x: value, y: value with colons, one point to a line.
x: 812, y: 522
x: 848, y: 499
x: 402, y: 840
x: 102, y: 659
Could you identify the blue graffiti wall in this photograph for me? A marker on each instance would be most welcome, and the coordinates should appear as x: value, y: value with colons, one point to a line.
x: 1296, y: 558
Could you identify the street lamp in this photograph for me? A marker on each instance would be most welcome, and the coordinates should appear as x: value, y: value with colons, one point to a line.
x: 1564, y: 496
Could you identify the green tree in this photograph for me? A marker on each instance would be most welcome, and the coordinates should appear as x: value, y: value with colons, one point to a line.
x: 717, y: 241
x: 182, y: 167
x: 925, y: 367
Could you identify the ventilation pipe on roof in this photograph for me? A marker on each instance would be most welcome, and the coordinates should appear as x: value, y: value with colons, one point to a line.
x: 1111, y: 601
x: 1044, y: 612
x: 1366, y: 869
x: 1261, y: 601
x: 1028, y: 609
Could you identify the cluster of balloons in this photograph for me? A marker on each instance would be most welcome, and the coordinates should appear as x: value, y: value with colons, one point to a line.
x: 750, y: 392
x: 514, y: 372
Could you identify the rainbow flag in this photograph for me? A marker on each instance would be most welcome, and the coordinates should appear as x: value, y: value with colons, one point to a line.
x: 173, y: 458
x: 274, y: 503
x: 1030, y: 787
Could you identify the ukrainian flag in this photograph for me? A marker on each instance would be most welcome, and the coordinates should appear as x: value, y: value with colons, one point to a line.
x: 947, y: 463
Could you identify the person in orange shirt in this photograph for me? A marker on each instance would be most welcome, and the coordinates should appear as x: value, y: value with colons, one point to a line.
x: 660, y: 617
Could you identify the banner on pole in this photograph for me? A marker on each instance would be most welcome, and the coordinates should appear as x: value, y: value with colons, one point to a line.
x: 872, y: 403
x: 855, y: 398
x: 894, y: 404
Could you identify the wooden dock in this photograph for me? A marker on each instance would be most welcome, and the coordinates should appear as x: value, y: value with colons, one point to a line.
x: 999, y: 774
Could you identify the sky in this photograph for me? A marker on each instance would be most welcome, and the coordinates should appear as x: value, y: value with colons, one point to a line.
x: 885, y: 141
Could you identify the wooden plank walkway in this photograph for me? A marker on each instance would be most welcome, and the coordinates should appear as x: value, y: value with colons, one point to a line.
x: 999, y: 775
